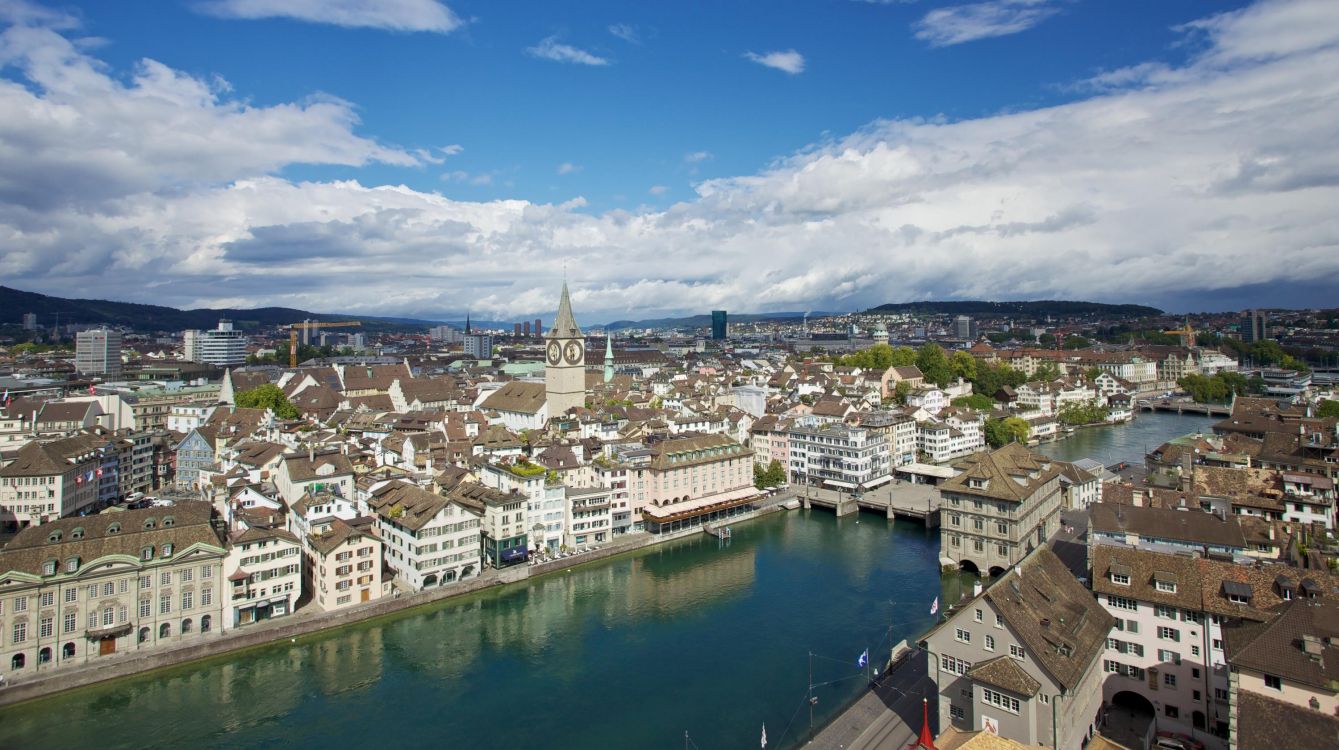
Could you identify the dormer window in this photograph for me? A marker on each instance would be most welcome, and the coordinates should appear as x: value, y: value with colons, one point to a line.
x: 78, y: 533
x: 1237, y: 592
x: 146, y: 553
x: 72, y: 565
x: 167, y: 550
x: 169, y: 521
x: 114, y: 528
x: 54, y: 537
x: 1120, y: 574
x: 1164, y: 582
x: 150, y: 523
x: 49, y: 568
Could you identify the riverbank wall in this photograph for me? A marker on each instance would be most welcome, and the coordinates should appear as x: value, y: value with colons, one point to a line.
x: 308, y: 622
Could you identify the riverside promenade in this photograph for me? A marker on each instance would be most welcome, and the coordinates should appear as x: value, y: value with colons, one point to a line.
x: 887, y: 716
x: 309, y: 620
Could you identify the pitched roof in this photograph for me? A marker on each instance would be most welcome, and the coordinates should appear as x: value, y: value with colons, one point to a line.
x: 1190, y: 526
x: 1011, y: 473
x: 1266, y: 724
x: 1280, y: 645
x: 1055, y: 617
x: 517, y: 396
x: 125, y: 533
x: 301, y: 468
x: 1004, y: 672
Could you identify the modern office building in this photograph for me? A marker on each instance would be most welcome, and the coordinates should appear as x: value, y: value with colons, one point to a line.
x: 30, y: 321
x: 964, y: 328
x: 223, y: 346
x: 1253, y: 326
x: 98, y: 352
x: 478, y: 345
x: 719, y: 327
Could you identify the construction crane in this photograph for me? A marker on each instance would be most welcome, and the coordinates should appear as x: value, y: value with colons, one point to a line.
x: 310, y: 325
x: 1187, y: 334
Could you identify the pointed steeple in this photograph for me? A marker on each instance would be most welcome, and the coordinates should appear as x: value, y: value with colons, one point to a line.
x: 467, y: 322
x: 608, y: 357
x: 927, y: 740
x: 564, y: 325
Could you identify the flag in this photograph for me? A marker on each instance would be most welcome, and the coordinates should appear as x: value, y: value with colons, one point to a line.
x: 99, y: 471
x: 934, y: 607
x: 764, y: 736
x: 863, y: 660
x: 90, y: 390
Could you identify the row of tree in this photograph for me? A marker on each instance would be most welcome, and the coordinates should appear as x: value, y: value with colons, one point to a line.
x: 1220, y: 387
x: 1089, y: 412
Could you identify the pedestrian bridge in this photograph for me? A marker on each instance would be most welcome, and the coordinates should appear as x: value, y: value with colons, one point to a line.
x: 915, y: 502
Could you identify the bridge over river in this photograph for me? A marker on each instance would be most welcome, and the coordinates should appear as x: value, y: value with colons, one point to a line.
x: 916, y: 502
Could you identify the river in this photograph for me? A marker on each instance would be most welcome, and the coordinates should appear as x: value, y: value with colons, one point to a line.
x: 1128, y: 442
x: 692, y: 635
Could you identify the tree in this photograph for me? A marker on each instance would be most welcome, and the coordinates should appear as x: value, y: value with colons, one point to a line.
x: 759, y: 476
x: 1008, y: 430
x: 1074, y: 413
x: 268, y: 396
x: 933, y: 364
x: 1328, y: 409
x: 900, y: 392
x: 978, y: 401
x: 962, y: 365
x: 775, y: 475
x: 1046, y: 371
x: 1092, y: 373
x: 1077, y: 342
x: 990, y: 378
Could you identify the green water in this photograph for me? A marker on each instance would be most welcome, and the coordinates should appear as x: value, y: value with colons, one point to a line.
x: 628, y: 653
x: 1128, y: 442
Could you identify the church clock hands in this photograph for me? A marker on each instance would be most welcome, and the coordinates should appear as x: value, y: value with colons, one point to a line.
x: 572, y: 352
x: 555, y: 352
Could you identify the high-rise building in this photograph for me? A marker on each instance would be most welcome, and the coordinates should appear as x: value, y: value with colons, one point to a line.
x: 516, y: 330
x: 525, y: 329
x: 719, y: 327
x: 539, y: 327
x: 30, y: 321
x: 1253, y: 326
x: 565, y: 361
x: 98, y: 352
x: 964, y: 328
x: 478, y: 345
x: 223, y: 346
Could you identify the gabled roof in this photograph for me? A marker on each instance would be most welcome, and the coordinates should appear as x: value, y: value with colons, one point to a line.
x: 517, y: 396
x: 1280, y: 645
x: 1004, y: 672
x: 1011, y: 473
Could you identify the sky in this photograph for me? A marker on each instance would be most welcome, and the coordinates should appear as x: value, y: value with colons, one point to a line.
x: 425, y: 158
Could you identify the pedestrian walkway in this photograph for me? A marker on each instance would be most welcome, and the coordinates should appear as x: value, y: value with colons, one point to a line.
x: 887, y: 716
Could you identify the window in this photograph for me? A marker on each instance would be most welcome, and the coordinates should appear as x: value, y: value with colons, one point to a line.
x: 165, y: 579
x: 186, y: 575
x: 1273, y: 682
x: 990, y: 643
x: 48, y: 598
x: 71, y: 594
x: 69, y: 622
x: 955, y: 712
x: 979, y: 615
x: 1218, y: 644
x: 146, y: 553
x: 1165, y: 612
x: 1001, y: 529
x: 206, y: 571
x: 187, y: 599
x: 206, y: 597
x: 49, y: 568
x: 1168, y: 634
x: 1120, y: 602
x: 999, y: 700
x: 999, y: 621
x: 72, y: 565
x: 167, y: 550
x: 1169, y: 679
x: 145, y: 582
x: 954, y: 665
x: 1120, y: 579
x: 145, y: 608
x: 109, y: 588
x: 1017, y: 652
x: 20, y: 604
x: 164, y: 604
x: 108, y: 616
x: 1171, y: 657
x: 20, y: 632
x: 45, y: 627
x: 964, y: 636
x: 1220, y: 694
x: 123, y: 585
x: 1171, y: 711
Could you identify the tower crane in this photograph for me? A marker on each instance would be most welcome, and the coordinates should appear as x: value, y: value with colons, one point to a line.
x: 310, y: 325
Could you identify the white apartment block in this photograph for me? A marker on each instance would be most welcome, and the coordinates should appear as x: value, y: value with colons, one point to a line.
x: 343, y: 563
x: 223, y: 346
x: 264, y: 573
x: 837, y: 455
x: 590, y: 517
x: 429, y: 540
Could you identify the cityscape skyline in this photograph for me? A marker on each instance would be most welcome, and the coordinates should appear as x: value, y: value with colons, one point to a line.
x: 1179, y: 158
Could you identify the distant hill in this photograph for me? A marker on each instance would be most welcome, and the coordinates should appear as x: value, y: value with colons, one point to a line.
x: 1028, y: 309
x: 14, y: 303
x: 704, y: 321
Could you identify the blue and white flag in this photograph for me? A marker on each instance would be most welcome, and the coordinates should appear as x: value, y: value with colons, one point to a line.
x: 863, y: 660
x: 934, y: 607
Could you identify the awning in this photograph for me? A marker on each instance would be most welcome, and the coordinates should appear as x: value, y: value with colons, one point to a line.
x: 835, y: 483
x: 700, y: 506
x: 1163, y: 576
x: 514, y: 553
x: 1120, y: 569
x: 881, y: 480
x: 108, y: 632
x: 1237, y: 589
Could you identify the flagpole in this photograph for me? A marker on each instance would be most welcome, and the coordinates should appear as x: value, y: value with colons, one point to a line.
x: 811, y: 695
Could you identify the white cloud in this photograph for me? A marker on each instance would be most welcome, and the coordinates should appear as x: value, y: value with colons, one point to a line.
x: 394, y: 15
x: 1222, y: 174
x: 658, y: 190
x: 697, y: 157
x: 789, y: 61
x: 956, y: 24
x: 551, y: 49
x: 568, y: 167
x: 627, y: 32
x: 452, y: 149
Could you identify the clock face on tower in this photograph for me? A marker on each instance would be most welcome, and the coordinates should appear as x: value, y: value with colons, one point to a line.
x: 572, y: 352
x: 555, y: 352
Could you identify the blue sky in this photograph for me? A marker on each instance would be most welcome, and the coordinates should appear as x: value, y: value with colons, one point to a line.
x: 417, y: 157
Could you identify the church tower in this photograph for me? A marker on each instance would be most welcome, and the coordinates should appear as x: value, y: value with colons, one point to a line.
x: 565, y: 361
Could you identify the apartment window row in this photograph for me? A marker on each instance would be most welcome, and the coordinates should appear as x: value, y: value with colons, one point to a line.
x: 1125, y: 647
x: 954, y: 665
x: 1120, y: 602
x: 1114, y: 667
x: 999, y: 700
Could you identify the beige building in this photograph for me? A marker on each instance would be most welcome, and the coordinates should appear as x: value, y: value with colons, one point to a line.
x: 75, y: 590
x: 50, y: 479
x: 344, y: 562
x: 1002, y: 506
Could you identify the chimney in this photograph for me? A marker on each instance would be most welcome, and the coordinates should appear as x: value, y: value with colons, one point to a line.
x: 976, y: 588
x: 311, y: 452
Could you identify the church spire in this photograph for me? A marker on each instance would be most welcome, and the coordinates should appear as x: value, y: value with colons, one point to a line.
x: 467, y: 322
x: 564, y: 325
x: 608, y: 357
